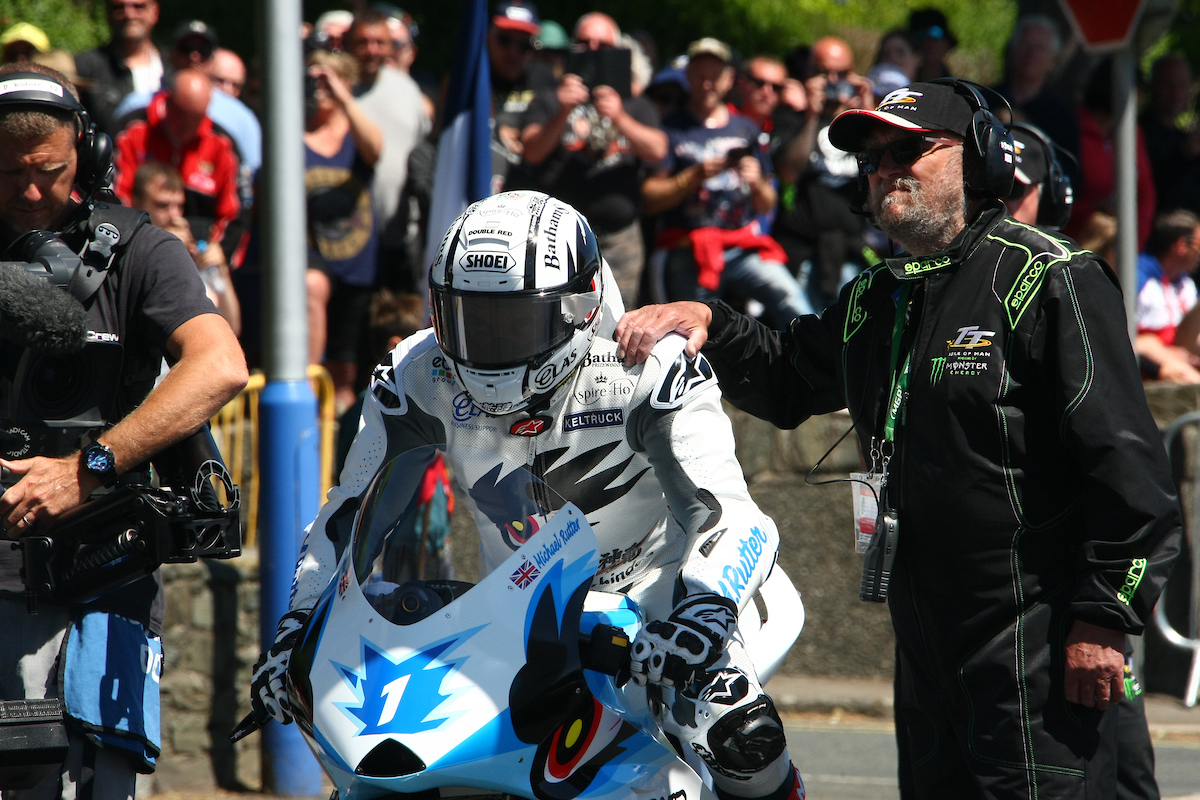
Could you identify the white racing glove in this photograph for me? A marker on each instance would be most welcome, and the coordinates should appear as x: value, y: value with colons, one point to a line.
x: 268, y: 695
x: 679, y: 650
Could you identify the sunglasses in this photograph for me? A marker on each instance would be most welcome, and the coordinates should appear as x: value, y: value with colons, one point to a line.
x: 507, y: 40
x: 761, y: 84
x: 903, y: 151
x: 128, y: 7
x: 586, y: 44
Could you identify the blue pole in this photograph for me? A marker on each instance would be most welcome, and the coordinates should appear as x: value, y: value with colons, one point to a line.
x: 288, y: 441
x: 288, y: 453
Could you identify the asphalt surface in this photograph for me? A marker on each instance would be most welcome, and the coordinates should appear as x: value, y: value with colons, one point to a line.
x: 840, y: 734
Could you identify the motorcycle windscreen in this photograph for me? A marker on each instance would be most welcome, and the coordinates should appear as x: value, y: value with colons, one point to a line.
x: 401, y: 530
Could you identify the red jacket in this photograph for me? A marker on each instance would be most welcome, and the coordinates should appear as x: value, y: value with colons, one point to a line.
x: 207, y: 164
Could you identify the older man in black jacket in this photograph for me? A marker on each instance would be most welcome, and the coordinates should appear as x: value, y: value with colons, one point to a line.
x: 992, y: 384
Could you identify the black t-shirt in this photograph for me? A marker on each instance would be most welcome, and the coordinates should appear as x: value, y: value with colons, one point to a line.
x: 152, y: 289
x: 594, y: 167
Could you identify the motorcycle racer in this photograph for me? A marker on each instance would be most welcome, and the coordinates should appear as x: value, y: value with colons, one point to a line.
x: 521, y: 362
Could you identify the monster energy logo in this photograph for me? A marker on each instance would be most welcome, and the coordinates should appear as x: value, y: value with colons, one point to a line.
x: 937, y: 370
x: 928, y: 265
x: 1132, y: 578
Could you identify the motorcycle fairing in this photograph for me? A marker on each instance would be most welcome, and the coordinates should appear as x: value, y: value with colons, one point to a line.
x: 371, y: 680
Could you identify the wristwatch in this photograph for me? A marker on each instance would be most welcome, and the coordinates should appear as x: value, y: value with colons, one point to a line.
x: 100, y: 461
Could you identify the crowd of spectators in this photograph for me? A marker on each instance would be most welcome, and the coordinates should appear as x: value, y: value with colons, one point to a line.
x: 709, y: 174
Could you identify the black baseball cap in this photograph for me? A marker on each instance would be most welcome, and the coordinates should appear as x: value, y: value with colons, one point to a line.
x: 1031, y: 156
x: 930, y: 23
x: 517, y: 15
x: 919, y: 107
x: 196, y: 30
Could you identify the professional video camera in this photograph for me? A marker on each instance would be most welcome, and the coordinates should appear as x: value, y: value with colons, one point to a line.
x: 55, y: 383
x: 58, y: 391
x: 58, y: 387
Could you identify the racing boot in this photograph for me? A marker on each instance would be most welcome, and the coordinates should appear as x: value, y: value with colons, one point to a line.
x: 727, y: 720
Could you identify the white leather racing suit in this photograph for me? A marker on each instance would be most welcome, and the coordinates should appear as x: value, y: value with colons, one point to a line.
x: 648, y: 454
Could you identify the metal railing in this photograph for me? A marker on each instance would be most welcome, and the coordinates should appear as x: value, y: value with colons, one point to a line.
x: 235, y: 430
x: 1191, y: 526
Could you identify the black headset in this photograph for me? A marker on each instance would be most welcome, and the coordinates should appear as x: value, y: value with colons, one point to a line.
x: 1057, y: 197
x: 35, y: 91
x: 990, y: 164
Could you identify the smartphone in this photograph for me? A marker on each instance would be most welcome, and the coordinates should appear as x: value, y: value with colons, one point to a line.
x: 604, y: 68
x: 737, y: 154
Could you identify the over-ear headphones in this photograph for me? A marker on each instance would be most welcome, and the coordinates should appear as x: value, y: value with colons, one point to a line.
x: 1057, y: 197
x: 34, y: 91
x: 988, y: 163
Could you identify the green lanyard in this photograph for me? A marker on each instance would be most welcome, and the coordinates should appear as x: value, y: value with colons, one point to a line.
x: 899, y: 378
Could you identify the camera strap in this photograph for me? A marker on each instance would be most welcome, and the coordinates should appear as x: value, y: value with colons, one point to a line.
x: 108, y: 230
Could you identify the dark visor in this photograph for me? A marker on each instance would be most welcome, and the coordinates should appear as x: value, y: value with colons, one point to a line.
x: 497, y: 330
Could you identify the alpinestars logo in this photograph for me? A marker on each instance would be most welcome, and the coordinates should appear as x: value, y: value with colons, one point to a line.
x: 531, y: 427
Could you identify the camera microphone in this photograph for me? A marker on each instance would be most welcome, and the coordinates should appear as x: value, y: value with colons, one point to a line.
x: 35, y: 313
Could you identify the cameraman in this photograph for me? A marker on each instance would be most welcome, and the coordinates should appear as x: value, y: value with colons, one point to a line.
x: 822, y: 238
x: 151, y: 301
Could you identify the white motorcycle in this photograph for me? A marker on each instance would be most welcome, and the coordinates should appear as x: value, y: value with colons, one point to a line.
x: 516, y: 685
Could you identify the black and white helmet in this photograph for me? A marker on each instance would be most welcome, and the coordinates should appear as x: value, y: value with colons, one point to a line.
x: 516, y: 290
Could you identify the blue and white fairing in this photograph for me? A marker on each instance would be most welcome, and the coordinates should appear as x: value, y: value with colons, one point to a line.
x: 405, y: 688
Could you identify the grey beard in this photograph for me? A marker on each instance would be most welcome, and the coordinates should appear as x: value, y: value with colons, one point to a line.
x: 929, y: 222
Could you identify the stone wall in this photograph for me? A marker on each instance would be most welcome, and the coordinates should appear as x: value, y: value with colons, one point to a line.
x: 210, y: 643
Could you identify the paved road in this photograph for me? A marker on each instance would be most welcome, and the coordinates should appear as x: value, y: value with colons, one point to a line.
x: 857, y: 761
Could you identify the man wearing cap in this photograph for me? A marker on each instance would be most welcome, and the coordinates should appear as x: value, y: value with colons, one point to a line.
x: 588, y: 147
x: 197, y: 47
x: 516, y: 79
x: 713, y: 183
x: 990, y: 379
x: 129, y: 62
x: 930, y: 29
x: 21, y: 42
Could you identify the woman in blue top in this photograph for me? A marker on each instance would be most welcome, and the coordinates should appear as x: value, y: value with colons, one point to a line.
x: 341, y: 148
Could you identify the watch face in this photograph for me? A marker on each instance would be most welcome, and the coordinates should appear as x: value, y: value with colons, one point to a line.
x: 99, y: 460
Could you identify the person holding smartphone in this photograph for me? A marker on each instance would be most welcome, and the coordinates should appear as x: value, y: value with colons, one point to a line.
x: 710, y: 188
x: 822, y: 238
x: 586, y: 142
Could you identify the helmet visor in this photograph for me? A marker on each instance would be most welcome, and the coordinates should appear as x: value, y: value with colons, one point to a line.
x: 485, y: 330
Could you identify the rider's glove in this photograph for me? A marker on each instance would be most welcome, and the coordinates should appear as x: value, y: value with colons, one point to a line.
x: 686, y: 644
x: 268, y: 695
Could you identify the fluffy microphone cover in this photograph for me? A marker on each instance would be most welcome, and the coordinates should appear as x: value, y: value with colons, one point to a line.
x: 36, y: 314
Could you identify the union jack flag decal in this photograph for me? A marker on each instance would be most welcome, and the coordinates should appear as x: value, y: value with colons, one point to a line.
x: 525, y: 574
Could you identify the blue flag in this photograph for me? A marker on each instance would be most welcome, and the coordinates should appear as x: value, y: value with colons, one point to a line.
x: 464, y: 161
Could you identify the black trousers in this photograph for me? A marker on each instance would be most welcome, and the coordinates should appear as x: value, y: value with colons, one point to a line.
x: 990, y: 729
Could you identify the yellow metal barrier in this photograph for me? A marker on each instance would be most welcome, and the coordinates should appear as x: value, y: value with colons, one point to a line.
x: 235, y: 429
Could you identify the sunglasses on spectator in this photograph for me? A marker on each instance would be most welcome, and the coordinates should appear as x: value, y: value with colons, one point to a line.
x: 205, y: 50
x: 229, y: 85
x: 760, y: 83
x: 903, y: 151
x: 522, y: 43
x: 592, y: 44
x: 141, y: 5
